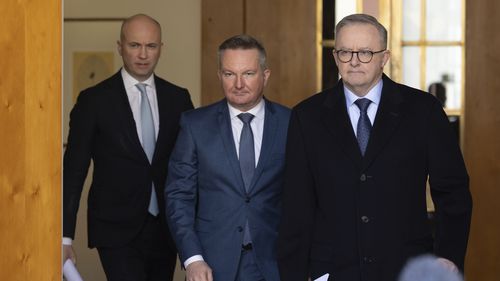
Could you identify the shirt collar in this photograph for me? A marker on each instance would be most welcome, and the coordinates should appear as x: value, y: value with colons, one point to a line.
x: 130, y: 81
x: 257, y: 111
x: 373, y: 95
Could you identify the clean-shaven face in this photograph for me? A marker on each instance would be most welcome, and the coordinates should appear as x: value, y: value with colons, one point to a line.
x: 140, y: 47
x: 357, y: 76
x: 242, y: 78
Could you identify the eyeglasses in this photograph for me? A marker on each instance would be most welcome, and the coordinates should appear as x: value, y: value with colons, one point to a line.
x: 364, y: 56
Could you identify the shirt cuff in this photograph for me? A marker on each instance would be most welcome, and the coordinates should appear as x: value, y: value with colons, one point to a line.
x: 67, y: 241
x: 193, y: 259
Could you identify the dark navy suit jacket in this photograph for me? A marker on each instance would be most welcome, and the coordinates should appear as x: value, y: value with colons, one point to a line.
x: 207, y: 205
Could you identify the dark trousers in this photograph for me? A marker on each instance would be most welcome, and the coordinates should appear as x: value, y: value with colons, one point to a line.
x: 248, y: 269
x: 147, y: 258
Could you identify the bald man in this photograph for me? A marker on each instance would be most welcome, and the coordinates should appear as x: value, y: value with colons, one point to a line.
x: 127, y: 125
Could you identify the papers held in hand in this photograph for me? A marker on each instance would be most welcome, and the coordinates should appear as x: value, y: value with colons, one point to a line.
x: 70, y: 272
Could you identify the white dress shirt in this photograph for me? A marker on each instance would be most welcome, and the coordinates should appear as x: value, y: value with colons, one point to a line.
x: 257, y: 125
x: 353, y: 110
x: 134, y: 99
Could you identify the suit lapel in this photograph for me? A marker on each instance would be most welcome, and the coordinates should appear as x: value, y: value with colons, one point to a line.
x: 164, y: 107
x: 228, y: 141
x: 336, y: 119
x: 268, y: 138
x: 386, y: 121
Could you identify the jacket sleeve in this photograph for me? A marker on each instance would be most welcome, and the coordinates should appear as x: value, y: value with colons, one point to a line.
x: 294, y: 238
x: 181, y: 193
x: 449, y: 184
x: 77, y: 159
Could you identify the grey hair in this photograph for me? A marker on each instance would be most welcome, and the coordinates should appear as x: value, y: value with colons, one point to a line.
x: 363, y: 19
x: 242, y: 42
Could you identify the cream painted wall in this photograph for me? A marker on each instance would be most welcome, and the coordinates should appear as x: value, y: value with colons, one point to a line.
x: 180, y: 63
x: 181, y: 26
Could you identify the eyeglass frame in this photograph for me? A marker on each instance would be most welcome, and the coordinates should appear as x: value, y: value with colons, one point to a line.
x: 357, y: 54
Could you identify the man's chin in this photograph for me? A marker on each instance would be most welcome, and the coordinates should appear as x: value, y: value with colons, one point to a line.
x: 142, y: 75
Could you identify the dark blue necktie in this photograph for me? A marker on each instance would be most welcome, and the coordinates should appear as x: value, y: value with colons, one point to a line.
x: 148, y: 140
x: 247, y: 161
x: 246, y: 150
x: 364, y: 124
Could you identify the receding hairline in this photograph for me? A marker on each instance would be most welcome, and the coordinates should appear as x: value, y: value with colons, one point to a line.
x: 363, y: 19
x: 137, y: 17
x: 243, y: 42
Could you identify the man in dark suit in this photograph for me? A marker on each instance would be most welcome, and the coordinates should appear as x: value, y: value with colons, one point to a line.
x: 127, y: 125
x: 225, y: 174
x: 358, y: 159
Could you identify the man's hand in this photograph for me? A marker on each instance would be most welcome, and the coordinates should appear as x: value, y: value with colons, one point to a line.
x: 69, y: 253
x: 198, y: 271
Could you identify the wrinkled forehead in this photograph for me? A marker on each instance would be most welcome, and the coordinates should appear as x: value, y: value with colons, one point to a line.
x: 240, y: 58
x: 358, y: 36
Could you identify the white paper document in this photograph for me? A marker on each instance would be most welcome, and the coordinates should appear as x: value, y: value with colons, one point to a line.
x: 323, y: 278
x: 70, y: 272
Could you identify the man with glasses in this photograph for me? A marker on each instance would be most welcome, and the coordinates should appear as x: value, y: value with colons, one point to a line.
x: 358, y: 159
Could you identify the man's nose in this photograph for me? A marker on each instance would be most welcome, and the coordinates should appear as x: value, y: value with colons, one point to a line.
x: 143, y: 53
x: 355, y: 60
x: 240, y: 82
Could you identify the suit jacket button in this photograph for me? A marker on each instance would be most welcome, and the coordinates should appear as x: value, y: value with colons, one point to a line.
x: 362, y: 177
x: 365, y: 219
x: 240, y: 229
x: 247, y: 200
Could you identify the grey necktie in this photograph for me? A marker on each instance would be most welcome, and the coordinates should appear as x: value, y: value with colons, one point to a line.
x: 247, y: 161
x: 246, y: 151
x: 364, y: 124
x: 148, y: 140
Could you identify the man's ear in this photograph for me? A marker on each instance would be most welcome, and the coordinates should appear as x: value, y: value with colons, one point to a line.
x: 267, y: 73
x: 385, y: 58
x: 119, y: 47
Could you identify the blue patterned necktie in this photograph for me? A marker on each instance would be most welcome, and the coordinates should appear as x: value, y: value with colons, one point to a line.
x: 246, y: 151
x: 364, y: 124
x: 247, y: 161
x: 148, y: 140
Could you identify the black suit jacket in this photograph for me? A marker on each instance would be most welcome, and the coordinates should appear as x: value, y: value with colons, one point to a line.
x: 361, y: 218
x: 102, y: 128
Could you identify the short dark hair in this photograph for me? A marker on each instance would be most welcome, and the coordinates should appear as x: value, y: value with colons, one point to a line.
x: 363, y: 19
x: 242, y: 42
